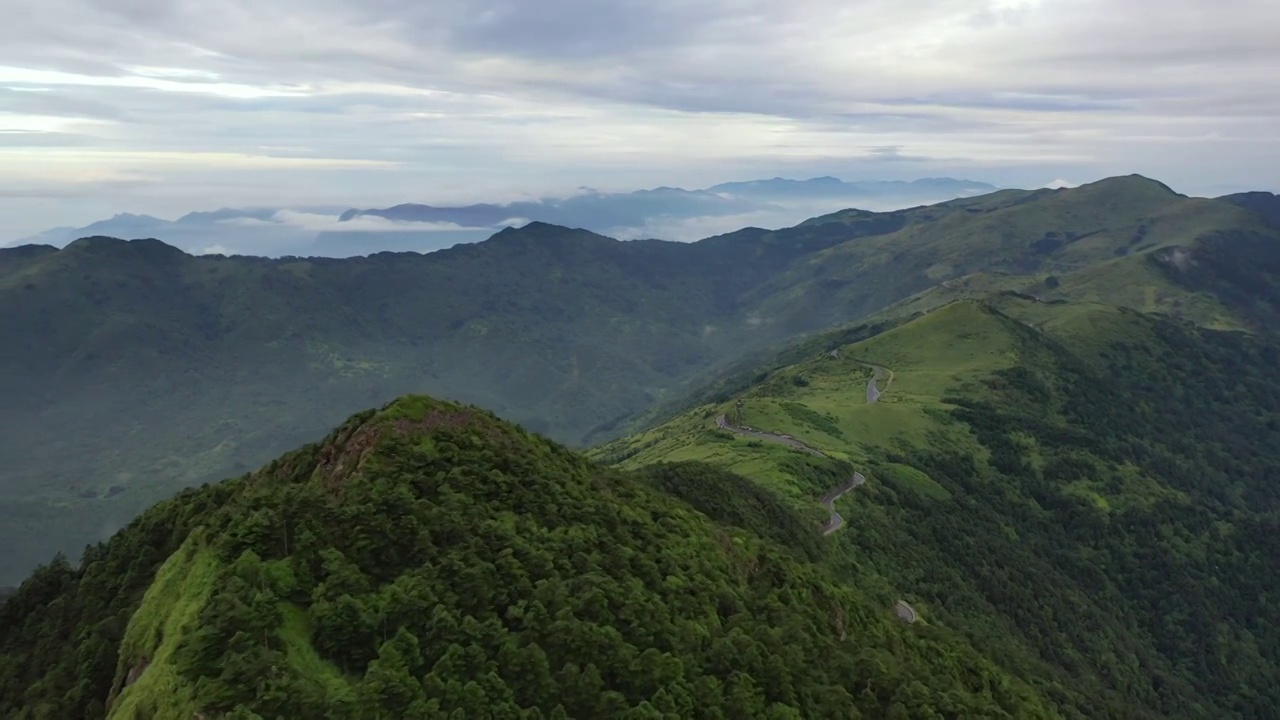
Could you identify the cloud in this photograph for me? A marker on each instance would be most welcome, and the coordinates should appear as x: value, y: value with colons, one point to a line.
x: 372, y: 102
x: 364, y: 223
x: 779, y: 215
x: 23, y: 138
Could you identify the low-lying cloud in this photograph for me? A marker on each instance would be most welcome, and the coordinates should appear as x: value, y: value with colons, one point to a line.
x: 316, y: 222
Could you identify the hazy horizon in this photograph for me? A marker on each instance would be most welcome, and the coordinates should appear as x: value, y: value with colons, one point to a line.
x: 166, y: 107
x: 299, y: 230
x: 73, y: 212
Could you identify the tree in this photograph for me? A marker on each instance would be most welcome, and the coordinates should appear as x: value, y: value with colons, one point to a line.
x: 390, y: 685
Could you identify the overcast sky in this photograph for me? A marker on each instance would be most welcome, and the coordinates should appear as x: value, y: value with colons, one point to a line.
x: 164, y: 106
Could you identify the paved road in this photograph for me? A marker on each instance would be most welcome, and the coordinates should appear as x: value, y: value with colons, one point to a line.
x: 905, y: 612
x: 835, y: 522
x: 873, y: 393
x: 724, y: 423
x: 901, y: 610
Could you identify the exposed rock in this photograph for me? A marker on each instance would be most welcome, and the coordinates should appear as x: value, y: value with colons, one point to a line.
x: 136, y: 671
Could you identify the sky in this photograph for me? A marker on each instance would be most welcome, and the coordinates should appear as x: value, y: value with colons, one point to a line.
x: 167, y: 106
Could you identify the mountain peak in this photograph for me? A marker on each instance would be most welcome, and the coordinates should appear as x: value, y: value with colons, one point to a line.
x: 415, y: 419
x: 538, y: 229
x: 1253, y: 195
x: 134, y: 216
x: 95, y: 242
x: 418, y: 415
x: 149, y: 248
x: 27, y: 251
x: 1131, y: 183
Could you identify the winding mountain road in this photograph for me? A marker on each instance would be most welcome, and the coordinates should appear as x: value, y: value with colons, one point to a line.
x: 836, y: 521
x: 873, y: 394
x: 905, y: 612
x: 901, y: 610
x: 723, y: 423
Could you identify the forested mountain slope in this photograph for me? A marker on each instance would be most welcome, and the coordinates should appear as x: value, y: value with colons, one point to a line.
x: 1085, y: 492
x: 427, y: 560
x: 131, y: 369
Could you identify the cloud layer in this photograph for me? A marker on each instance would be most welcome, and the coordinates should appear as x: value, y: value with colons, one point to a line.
x: 168, y: 105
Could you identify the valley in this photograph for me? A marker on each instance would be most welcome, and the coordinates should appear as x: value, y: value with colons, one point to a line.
x: 132, y: 369
x: 963, y: 460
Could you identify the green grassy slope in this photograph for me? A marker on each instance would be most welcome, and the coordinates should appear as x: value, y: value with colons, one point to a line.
x: 1081, y: 490
x: 131, y: 370
x: 822, y: 400
x: 1011, y: 235
x: 1207, y: 262
x: 428, y: 560
x: 1265, y: 204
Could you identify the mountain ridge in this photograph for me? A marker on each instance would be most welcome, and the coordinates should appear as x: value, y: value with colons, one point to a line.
x: 1058, y: 446
x: 1007, y: 374
x: 552, y: 210
x: 1265, y: 204
x: 1063, y: 502
x: 493, y: 569
x: 329, y: 231
x: 113, y: 347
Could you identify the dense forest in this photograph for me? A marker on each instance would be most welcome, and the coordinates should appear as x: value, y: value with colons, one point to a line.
x: 1113, y: 532
x: 1085, y: 494
x: 428, y: 560
x: 1187, y: 560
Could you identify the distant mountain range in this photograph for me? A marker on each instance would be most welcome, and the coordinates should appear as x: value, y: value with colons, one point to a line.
x: 829, y: 187
x: 664, y: 212
x: 608, y: 212
x: 131, y: 369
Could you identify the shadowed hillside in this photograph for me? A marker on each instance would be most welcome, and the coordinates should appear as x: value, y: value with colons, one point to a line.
x: 131, y: 369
